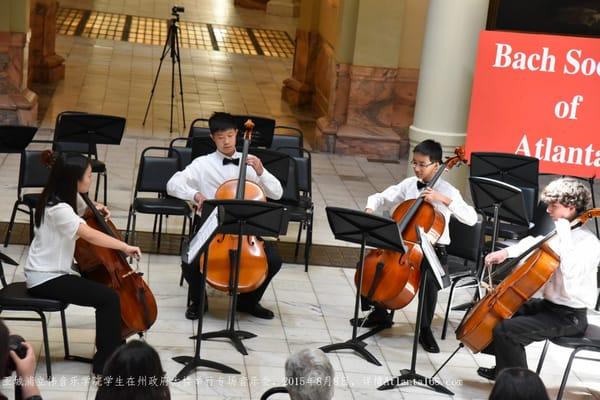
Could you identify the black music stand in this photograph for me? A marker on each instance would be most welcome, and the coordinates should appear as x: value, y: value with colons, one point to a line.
x: 365, y: 229
x: 277, y: 163
x: 410, y: 376
x: 15, y: 138
x: 498, y: 200
x: 90, y: 129
x: 191, y: 363
x: 243, y: 217
x: 514, y: 169
x: 262, y: 135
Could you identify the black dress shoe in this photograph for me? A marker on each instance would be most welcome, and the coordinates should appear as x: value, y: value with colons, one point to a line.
x: 487, y: 373
x: 193, y: 311
x: 428, y: 341
x: 257, y: 310
x: 371, y: 322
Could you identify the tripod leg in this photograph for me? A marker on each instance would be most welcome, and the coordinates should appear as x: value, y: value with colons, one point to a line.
x: 173, y: 60
x: 162, y: 57
x: 180, y: 80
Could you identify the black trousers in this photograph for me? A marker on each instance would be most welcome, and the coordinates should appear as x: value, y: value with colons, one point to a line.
x: 193, y: 276
x: 536, y: 320
x: 429, y: 300
x: 73, y: 289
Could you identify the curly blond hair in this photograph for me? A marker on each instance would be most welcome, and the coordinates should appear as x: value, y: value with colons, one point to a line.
x: 568, y: 192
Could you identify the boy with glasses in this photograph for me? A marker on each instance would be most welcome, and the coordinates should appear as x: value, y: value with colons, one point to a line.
x: 445, y: 198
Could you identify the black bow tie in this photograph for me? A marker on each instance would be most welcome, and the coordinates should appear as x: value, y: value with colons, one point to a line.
x: 421, y: 185
x: 235, y: 161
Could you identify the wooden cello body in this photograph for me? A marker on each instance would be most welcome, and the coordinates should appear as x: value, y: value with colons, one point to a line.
x: 501, y: 302
x: 223, y: 248
x: 391, y: 279
x: 397, y: 276
x: 110, y: 267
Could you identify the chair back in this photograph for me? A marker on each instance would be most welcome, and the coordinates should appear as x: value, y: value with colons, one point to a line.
x: 543, y: 222
x: 288, y: 144
x: 33, y: 173
x: 304, y: 166
x: 466, y: 241
x: 155, y: 171
x: 185, y: 152
x: 5, y: 259
x: 199, y: 128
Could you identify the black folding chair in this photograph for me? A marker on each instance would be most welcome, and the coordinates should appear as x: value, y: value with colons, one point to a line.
x: 464, y: 259
x: 300, y: 205
x: 33, y: 174
x: 589, y: 341
x: 14, y: 297
x: 153, y: 174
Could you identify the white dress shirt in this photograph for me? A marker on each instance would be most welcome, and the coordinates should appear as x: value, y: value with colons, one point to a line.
x: 407, y: 190
x: 206, y: 173
x: 574, y: 282
x: 51, y: 251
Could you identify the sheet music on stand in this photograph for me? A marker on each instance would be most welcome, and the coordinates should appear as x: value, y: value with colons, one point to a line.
x: 438, y: 270
x: 202, y: 237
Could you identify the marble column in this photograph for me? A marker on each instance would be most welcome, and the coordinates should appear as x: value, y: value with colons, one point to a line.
x: 446, y: 75
x: 45, y: 65
x: 18, y: 104
x: 285, y: 8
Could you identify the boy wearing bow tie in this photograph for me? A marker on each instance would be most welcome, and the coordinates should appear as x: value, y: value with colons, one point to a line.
x: 445, y: 198
x: 199, y: 181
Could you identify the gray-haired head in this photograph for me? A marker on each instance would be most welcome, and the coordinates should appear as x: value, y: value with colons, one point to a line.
x: 568, y: 192
x: 309, y: 375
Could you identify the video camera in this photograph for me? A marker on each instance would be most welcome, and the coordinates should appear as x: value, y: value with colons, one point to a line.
x: 176, y: 10
x: 15, y: 343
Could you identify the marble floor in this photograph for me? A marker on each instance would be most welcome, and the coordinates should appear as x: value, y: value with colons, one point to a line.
x: 312, y: 309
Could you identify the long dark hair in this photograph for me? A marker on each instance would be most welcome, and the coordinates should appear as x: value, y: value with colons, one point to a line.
x: 67, y: 170
x: 518, y: 384
x: 138, y: 364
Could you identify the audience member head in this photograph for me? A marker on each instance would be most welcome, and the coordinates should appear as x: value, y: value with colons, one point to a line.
x: 518, y: 384
x: 309, y: 375
x: 133, y: 372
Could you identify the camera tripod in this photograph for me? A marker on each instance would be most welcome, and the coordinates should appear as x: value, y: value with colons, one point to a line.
x: 171, y: 47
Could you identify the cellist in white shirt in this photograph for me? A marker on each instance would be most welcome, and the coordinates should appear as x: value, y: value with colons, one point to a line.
x: 199, y: 181
x: 566, y: 296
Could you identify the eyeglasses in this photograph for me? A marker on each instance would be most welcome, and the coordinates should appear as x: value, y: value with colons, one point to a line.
x: 421, y: 165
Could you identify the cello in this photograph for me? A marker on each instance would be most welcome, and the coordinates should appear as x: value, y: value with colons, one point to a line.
x: 391, y: 279
x: 500, y: 303
x: 223, y: 248
x: 110, y: 267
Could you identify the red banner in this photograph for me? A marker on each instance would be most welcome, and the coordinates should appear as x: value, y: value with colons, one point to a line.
x: 539, y: 96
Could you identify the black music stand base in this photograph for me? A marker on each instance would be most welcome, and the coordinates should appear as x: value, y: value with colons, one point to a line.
x: 357, y: 345
x: 191, y: 363
x: 410, y: 376
x: 234, y: 336
x: 365, y: 229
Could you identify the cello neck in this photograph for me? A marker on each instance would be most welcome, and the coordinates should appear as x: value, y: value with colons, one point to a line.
x: 415, y: 206
x: 241, y: 185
